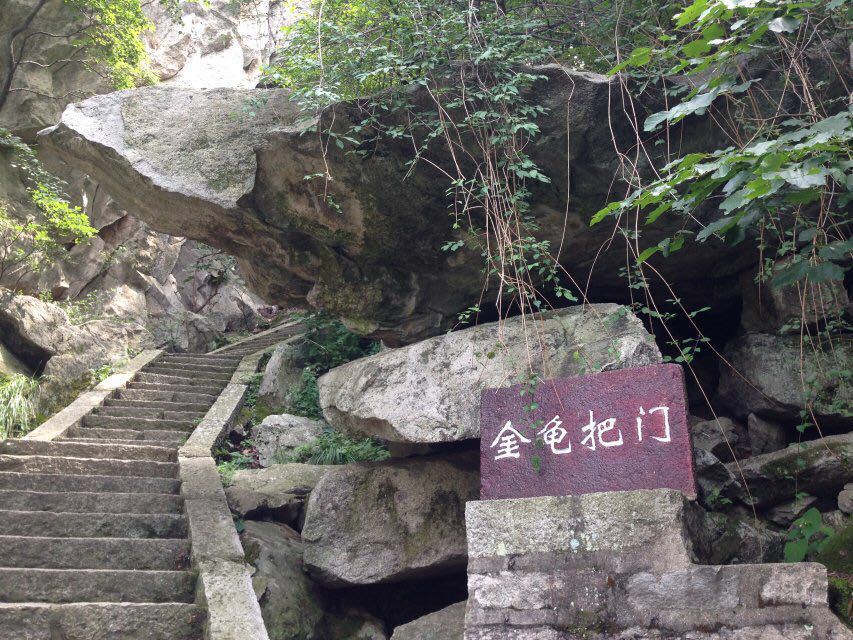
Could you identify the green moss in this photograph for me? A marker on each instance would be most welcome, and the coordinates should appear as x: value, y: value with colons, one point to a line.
x: 841, y: 598
x: 837, y: 554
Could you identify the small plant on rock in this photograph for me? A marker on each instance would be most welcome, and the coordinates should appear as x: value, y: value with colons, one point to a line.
x: 336, y: 448
x: 807, y: 536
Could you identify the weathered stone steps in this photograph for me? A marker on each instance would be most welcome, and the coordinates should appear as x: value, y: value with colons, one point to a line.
x: 93, y: 533
x: 191, y: 370
x: 94, y: 553
x: 187, y: 359
x: 183, y: 378
x: 90, y: 502
x: 82, y: 450
x: 53, y: 524
x: 94, y: 585
x: 164, y: 405
x: 88, y: 466
x: 158, y: 437
x: 151, y: 413
x: 101, y: 621
x: 14, y: 481
x: 176, y: 388
x: 142, y: 424
x: 166, y: 395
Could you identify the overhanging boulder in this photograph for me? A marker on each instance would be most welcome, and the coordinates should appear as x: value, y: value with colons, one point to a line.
x: 228, y: 167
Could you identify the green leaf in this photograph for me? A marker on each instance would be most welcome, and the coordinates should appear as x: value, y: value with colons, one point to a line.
x: 648, y: 253
x: 796, y: 550
x: 691, y: 13
x: 785, y: 24
x: 825, y: 271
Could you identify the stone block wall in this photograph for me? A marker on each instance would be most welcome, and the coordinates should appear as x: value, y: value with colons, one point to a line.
x: 619, y: 565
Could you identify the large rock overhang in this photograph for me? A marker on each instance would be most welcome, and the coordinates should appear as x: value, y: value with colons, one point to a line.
x: 228, y: 167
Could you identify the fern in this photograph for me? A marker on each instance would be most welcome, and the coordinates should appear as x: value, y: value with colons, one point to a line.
x: 335, y: 448
x: 18, y: 404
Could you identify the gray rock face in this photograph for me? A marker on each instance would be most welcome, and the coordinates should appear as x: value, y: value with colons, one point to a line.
x: 216, y: 44
x: 44, y: 339
x: 278, y: 492
x: 240, y: 184
x: 429, y: 392
x: 282, y: 375
x: 765, y: 436
x: 771, y: 365
x: 818, y: 467
x: 774, y: 310
x: 714, y: 479
x: 718, y: 436
x: 293, y: 607
x: 382, y: 522
x: 446, y: 624
x: 278, y: 435
x: 845, y: 499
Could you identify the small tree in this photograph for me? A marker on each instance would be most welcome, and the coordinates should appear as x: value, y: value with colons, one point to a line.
x: 105, y: 38
x: 29, y: 242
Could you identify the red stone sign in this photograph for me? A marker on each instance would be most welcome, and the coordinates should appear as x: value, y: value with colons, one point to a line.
x: 611, y: 431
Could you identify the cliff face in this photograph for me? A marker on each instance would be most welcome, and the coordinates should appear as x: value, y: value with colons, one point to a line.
x: 376, y: 258
x: 180, y: 293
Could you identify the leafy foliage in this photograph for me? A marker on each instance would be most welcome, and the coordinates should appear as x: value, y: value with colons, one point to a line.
x: 328, y: 344
x: 807, y: 536
x: 18, y: 405
x: 113, y: 39
x: 335, y: 448
x: 789, y: 176
x: 24, y: 244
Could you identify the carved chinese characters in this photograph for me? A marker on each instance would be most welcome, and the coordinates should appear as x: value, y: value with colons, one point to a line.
x: 611, y: 431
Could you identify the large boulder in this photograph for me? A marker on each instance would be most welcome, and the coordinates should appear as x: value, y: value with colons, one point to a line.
x: 774, y: 377
x: 817, y: 467
x: 368, y: 523
x: 278, y: 435
x: 372, y: 253
x: 446, y: 624
x: 282, y: 375
x: 429, y: 392
x: 278, y: 492
x: 294, y: 607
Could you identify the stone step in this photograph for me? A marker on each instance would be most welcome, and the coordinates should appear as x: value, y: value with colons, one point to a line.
x: 164, y: 405
x: 215, y: 360
x: 141, y: 424
x: 94, y: 585
x: 176, y: 388
x: 179, y: 368
x: 94, y: 553
x: 11, y: 481
x: 92, y: 525
x: 171, y: 378
x: 150, y: 413
x: 101, y: 621
x: 166, y: 395
x: 159, y: 437
x: 90, y: 502
x: 88, y: 466
x: 80, y: 450
x: 163, y: 443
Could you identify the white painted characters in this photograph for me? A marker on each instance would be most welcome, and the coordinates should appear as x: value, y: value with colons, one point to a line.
x: 509, y: 442
x: 596, y: 433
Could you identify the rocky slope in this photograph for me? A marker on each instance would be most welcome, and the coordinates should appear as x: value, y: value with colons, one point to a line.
x: 184, y: 294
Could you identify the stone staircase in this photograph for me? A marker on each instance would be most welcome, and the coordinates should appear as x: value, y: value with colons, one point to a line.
x: 93, y: 533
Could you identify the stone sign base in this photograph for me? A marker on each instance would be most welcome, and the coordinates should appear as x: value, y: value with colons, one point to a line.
x: 619, y: 566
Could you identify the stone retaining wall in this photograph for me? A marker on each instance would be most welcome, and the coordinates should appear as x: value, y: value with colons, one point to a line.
x: 619, y: 565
